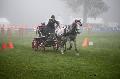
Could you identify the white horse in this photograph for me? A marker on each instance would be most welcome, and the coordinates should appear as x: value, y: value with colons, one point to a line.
x: 68, y: 33
x: 60, y: 33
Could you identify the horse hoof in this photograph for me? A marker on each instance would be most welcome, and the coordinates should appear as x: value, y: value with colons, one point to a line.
x: 76, y: 50
x: 68, y: 48
x: 64, y: 50
x: 77, y: 54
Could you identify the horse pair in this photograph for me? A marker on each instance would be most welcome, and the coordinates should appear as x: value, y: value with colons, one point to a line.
x: 64, y: 34
x: 68, y: 33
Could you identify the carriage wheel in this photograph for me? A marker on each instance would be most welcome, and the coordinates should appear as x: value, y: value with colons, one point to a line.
x: 35, y: 45
x: 42, y: 46
x: 56, y: 46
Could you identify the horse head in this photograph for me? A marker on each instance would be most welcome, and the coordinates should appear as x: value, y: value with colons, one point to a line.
x: 76, y: 26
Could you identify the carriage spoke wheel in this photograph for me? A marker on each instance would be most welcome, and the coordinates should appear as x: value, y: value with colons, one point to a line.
x: 56, y: 46
x: 34, y: 45
x: 42, y: 46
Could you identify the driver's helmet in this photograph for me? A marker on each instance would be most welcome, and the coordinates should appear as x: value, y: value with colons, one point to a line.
x: 76, y: 20
x: 53, y: 16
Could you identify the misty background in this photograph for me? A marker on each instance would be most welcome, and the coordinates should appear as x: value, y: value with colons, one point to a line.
x: 37, y: 11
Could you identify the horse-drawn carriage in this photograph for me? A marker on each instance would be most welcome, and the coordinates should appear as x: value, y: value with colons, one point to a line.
x: 56, y: 38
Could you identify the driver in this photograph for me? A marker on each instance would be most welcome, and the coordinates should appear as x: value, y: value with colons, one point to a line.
x: 51, y: 24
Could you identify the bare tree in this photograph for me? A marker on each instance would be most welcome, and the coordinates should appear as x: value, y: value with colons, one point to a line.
x: 92, y: 8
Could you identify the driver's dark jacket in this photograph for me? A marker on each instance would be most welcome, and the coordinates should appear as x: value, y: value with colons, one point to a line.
x: 51, y: 25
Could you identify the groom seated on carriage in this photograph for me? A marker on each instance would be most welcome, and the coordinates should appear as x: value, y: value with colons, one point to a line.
x: 41, y: 30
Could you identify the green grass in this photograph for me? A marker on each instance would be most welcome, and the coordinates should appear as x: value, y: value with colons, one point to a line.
x: 100, y: 61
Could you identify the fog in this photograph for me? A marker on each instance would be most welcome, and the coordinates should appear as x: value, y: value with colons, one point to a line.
x: 31, y: 11
x: 37, y: 11
x: 113, y: 14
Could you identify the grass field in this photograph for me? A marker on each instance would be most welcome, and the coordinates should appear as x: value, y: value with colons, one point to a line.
x: 100, y: 61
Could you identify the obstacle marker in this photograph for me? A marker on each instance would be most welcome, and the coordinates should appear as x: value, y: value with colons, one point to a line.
x: 9, y: 36
x: 4, y: 45
x: 85, y: 42
x: 10, y: 45
x: 91, y: 43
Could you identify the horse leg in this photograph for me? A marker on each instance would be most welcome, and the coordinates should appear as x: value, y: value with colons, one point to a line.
x: 70, y: 45
x: 75, y: 45
x: 65, y: 46
x: 62, y: 48
x: 36, y: 32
